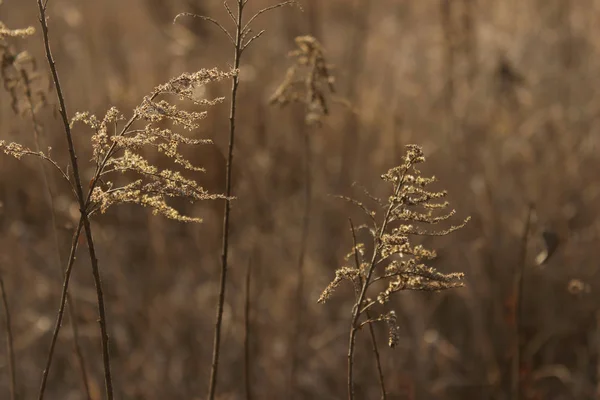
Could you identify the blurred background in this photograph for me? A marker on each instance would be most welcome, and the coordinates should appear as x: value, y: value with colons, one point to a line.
x: 502, y: 96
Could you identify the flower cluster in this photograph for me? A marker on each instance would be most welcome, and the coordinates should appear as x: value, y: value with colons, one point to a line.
x: 395, y: 260
x: 307, y: 81
x: 123, y: 171
x: 18, y: 72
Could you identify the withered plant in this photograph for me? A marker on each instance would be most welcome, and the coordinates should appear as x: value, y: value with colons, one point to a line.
x: 240, y: 41
x: 118, y: 157
x: 308, y: 81
x: 394, y: 259
x: 27, y: 89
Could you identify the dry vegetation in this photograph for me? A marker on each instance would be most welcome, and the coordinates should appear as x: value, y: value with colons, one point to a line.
x: 501, y: 97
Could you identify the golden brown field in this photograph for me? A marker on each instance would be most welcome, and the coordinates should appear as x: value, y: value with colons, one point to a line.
x: 502, y: 96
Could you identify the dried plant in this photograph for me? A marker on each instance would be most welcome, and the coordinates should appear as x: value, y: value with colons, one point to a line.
x: 123, y: 174
x: 240, y: 40
x: 19, y: 73
x: 395, y: 260
x: 307, y: 81
x: 118, y: 150
x: 26, y: 87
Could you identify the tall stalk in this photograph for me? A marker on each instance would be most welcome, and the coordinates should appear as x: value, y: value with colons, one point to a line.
x: 240, y: 41
x: 50, y: 197
x: 82, y: 204
x: 226, y: 216
x: 300, y: 267
x: 9, y: 343
x: 519, y: 287
x: 356, y: 311
x: 371, y: 330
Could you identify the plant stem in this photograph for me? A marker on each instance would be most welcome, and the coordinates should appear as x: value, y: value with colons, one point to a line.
x: 377, y: 358
x: 371, y: 331
x: 61, y: 309
x: 226, y: 217
x: 519, y: 287
x: 247, y: 333
x: 300, y: 267
x: 9, y: 343
x: 70, y: 304
x: 82, y: 203
x: 356, y: 311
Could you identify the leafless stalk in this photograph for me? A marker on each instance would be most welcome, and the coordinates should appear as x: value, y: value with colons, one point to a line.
x: 300, y: 266
x: 50, y: 198
x: 518, y: 290
x: 61, y: 309
x: 368, y: 314
x: 82, y: 206
x: 225, y: 240
x: 247, y: 333
x: 240, y: 44
x: 9, y: 343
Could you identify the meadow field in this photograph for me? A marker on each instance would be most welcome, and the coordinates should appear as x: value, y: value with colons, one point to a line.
x: 302, y: 123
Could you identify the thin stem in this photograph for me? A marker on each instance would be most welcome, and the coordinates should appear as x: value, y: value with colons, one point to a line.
x: 50, y: 196
x: 226, y: 217
x: 300, y: 267
x: 209, y: 19
x: 44, y: 157
x: 247, y: 333
x: 377, y: 360
x: 371, y: 331
x: 264, y: 10
x: 61, y: 309
x: 82, y: 204
x: 356, y: 312
x: 9, y: 343
x: 519, y: 287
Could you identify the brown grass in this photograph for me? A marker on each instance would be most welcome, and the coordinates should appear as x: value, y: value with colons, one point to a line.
x: 501, y: 96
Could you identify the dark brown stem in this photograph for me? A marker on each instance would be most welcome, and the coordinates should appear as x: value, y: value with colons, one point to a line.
x: 9, y: 343
x: 226, y: 217
x: 247, y: 333
x: 70, y: 304
x: 61, y: 309
x: 518, y: 292
x: 371, y: 331
x: 82, y: 204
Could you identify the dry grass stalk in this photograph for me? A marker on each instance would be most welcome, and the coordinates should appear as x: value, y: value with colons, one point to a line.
x: 308, y: 81
x: 23, y: 82
x: 153, y: 187
x: 9, y: 342
x: 396, y: 260
x: 241, y: 40
x: 357, y: 263
x: 247, y: 361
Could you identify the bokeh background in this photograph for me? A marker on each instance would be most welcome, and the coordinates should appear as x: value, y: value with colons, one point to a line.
x: 504, y: 98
